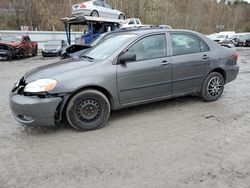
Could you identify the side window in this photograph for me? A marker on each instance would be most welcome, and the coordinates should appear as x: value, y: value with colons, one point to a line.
x: 98, y: 3
x: 150, y: 47
x: 187, y: 44
x: 28, y: 39
x: 131, y: 22
x: 107, y: 5
x: 137, y: 21
x: 204, y: 47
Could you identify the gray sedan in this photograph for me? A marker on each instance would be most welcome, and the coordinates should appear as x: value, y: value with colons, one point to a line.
x: 128, y: 69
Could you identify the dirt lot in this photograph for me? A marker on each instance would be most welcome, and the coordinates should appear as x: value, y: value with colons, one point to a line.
x: 182, y: 142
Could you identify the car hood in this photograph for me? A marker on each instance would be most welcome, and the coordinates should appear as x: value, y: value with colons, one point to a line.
x: 51, y: 70
x: 13, y: 44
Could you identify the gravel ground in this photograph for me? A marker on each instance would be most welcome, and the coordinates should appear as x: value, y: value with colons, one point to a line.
x: 182, y: 142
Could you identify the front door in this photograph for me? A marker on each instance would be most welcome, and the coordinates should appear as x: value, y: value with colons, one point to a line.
x: 150, y: 76
x: 109, y: 11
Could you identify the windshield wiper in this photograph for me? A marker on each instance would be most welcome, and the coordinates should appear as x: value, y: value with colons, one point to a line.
x: 87, y: 57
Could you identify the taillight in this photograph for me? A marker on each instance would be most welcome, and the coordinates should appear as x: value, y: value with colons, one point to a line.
x: 236, y: 55
x: 82, y: 6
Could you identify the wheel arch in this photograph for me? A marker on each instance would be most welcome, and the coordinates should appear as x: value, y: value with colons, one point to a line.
x: 94, y: 10
x: 221, y: 71
x: 121, y: 13
x: 94, y: 87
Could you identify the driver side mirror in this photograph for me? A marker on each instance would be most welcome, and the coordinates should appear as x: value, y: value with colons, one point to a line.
x: 127, y: 58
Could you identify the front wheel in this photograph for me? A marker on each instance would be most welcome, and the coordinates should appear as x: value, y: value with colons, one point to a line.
x: 88, y: 110
x: 34, y: 53
x: 212, y: 87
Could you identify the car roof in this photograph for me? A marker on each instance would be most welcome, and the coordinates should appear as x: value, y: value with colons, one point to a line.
x: 157, y: 30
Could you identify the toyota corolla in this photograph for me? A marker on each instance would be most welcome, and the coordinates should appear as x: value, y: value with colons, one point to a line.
x: 131, y: 68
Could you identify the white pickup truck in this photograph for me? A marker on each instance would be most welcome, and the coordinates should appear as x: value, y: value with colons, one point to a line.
x: 131, y: 22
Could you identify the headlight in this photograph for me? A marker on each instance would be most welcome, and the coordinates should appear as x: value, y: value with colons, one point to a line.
x: 40, y: 85
x: 58, y: 49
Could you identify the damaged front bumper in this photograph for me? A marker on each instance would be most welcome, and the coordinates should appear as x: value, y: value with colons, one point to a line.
x: 35, y: 110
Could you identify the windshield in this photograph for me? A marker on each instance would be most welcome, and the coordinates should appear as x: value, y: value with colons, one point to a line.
x: 221, y: 36
x: 106, y: 48
x: 233, y: 36
x: 11, y: 38
x: 53, y: 43
x: 244, y: 36
x: 98, y: 40
x: 101, y: 38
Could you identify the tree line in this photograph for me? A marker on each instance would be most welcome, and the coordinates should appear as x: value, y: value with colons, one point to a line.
x: 206, y: 16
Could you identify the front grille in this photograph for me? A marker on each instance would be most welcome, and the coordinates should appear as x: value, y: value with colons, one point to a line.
x: 5, y: 47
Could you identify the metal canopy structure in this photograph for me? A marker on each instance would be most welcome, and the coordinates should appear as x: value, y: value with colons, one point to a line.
x: 88, y: 21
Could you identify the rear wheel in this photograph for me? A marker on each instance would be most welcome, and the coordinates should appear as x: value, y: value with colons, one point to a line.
x: 94, y: 13
x: 34, y: 52
x: 88, y: 110
x: 121, y: 17
x: 213, y: 87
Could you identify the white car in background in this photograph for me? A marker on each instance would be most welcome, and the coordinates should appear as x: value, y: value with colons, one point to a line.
x: 131, y: 22
x: 97, y: 8
x: 222, y: 37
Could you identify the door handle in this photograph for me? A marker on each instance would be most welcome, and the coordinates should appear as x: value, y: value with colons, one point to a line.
x: 165, y: 63
x: 205, y: 57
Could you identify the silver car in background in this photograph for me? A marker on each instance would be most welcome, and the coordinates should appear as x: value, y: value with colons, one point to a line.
x: 97, y: 8
x: 53, y: 47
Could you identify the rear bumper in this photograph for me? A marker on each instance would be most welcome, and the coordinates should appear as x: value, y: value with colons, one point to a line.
x: 34, y: 111
x: 86, y: 12
x: 232, y: 73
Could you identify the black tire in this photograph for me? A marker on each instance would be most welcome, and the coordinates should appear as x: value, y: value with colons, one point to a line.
x: 9, y: 58
x: 94, y: 13
x: 213, y: 87
x: 88, y: 110
x: 34, y: 53
x: 121, y: 17
x: 22, y: 54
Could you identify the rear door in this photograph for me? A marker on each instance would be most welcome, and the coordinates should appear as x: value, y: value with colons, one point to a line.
x: 150, y: 76
x: 99, y: 6
x: 191, y: 58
